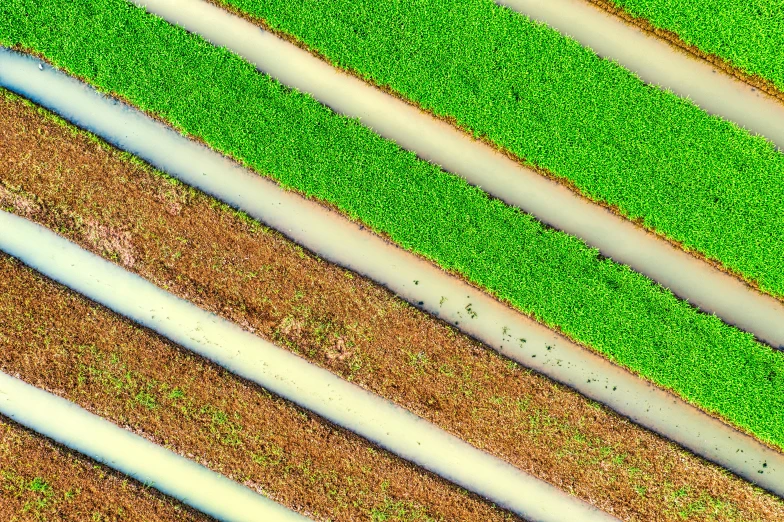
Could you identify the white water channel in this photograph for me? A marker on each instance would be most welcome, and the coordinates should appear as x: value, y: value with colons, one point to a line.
x: 93, y: 436
x: 657, y: 62
x: 338, y: 240
x: 704, y: 286
x: 288, y: 375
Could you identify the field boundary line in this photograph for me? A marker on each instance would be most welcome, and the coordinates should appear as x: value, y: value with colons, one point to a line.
x: 657, y: 61
x: 521, y: 161
x: 289, y: 376
x: 675, y: 40
x: 690, y: 278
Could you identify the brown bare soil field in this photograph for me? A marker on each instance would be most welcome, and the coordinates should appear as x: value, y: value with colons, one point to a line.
x: 59, y: 341
x: 43, y: 481
x: 200, y: 250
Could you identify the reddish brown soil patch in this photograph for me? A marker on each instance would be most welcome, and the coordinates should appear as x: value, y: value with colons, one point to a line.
x: 41, y: 481
x: 232, y: 266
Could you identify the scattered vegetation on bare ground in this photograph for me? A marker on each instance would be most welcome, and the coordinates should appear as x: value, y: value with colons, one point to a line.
x: 219, y: 259
x: 63, y: 343
x: 44, y: 482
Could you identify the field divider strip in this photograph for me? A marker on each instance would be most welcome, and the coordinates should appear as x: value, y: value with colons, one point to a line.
x: 658, y: 62
x: 101, y: 440
x: 289, y: 376
x: 340, y: 241
x: 704, y: 286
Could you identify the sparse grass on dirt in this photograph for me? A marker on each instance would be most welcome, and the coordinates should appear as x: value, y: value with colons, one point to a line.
x: 42, y: 481
x: 59, y: 341
x: 224, y: 262
x: 216, y: 96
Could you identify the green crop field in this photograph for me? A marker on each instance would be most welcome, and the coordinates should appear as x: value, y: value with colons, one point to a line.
x: 655, y: 157
x: 210, y: 93
x: 748, y: 34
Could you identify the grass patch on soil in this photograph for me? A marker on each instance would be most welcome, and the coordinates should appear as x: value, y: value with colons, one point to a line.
x: 746, y: 34
x: 42, y: 481
x: 36, y: 494
x: 103, y: 363
x: 210, y: 93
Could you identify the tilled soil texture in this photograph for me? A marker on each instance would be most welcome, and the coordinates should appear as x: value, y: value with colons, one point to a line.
x: 191, y: 245
x: 59, y: 341
x: 42, y: 481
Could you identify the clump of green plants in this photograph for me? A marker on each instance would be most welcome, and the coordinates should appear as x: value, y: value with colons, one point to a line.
x: 38, y: 495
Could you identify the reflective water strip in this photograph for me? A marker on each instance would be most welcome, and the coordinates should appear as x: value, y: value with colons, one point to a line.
x: 97, y: 438
x: 689, y: 278
x: 287, y: 375
x: 340, y: 241
x: 657, y: 62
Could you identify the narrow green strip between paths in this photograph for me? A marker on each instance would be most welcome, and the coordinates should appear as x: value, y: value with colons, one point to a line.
x: 656, y: 158
x: 748, y: 34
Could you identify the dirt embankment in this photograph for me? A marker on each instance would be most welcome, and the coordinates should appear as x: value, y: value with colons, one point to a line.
x: 185, y: 242
x: 43, y: 481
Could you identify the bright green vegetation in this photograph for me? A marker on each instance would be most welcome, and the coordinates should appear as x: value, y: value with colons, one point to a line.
x: 697, y: 179
x: 38, y: 495
x: 749, y: 34
x: 212, y: 94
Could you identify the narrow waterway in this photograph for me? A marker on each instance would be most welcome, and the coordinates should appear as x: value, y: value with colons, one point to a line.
x: 423, y: 284
x: 97, y: 438
x: 287, y: 375
x: 689, y: 278
x: 657, y: 62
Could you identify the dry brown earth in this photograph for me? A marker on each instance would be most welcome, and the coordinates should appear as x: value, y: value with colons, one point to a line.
x: 43, y: 481
x: 189, y: 244
x: 61, y: 342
